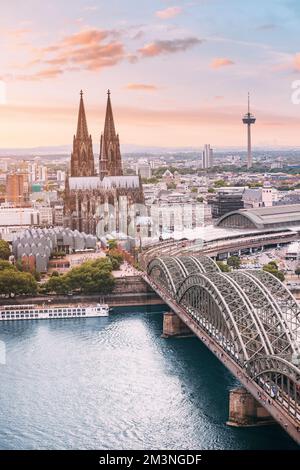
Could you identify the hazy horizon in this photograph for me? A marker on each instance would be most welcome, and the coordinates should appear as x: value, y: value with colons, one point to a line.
x: 65, y: 150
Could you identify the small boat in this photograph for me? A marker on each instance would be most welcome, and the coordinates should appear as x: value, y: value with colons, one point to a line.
x: 38, y: 312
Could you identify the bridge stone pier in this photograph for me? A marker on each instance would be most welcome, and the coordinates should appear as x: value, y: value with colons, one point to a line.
x: 173, y: 326
x: 245, y: 411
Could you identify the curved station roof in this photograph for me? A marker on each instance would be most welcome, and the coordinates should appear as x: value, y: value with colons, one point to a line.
x: 262, y: 218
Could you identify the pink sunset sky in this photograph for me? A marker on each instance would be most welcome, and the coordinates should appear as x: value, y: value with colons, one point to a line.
x: 179, y: 72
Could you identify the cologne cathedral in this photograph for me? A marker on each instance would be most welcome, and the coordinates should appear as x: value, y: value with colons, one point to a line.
x: 106, y: 202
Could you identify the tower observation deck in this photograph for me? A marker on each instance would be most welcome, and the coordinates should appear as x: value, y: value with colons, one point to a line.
x: 249, y: 119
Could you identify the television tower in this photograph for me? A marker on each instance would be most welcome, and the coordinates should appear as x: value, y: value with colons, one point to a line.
x: 249, y: 119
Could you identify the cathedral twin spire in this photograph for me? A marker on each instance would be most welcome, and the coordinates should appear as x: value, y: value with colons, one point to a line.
x: 82, y: 129
x: 110, y: 155
x: 109, y: 126
x: 82, y: 159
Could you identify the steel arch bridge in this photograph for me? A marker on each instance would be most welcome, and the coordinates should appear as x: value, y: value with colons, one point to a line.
x: 251, y: 315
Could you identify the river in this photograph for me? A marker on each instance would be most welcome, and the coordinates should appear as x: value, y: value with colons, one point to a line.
x: 114, y: 383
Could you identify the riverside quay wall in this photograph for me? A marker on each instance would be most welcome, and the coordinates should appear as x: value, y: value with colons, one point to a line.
x: 128, y: 291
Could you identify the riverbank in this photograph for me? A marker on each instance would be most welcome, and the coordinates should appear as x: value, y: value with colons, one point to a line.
x: 129, y: 291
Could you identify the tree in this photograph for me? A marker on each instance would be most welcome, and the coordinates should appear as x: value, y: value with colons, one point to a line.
x: 220, y: 184
x: 152, y: 180
x: 4, y: 250
x: 29, y: 283
x: 234, y: 262
x: 115, y: 264
x: 13, y: 282
x: 92, y: 277
x: 279, y: 275
x: 112, y: 244
x: 116, y: 257
x: 223, y: 266
x: 273, y: 263
x: 58, y: 254
x: 272, y: 268
x: 297, y: 271
x: 6, y: 265
x: 19, y: 265
x: 36, y: 275
x: 56, y: 284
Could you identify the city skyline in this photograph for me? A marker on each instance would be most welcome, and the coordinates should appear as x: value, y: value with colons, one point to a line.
x: 150, y: 230
x: 49, y: 55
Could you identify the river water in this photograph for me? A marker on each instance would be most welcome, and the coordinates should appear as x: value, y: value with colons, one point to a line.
x: 114, y: 383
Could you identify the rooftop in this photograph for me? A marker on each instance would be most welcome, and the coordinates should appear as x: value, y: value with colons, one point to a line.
x: 263, y: 217
x: 108, y: 182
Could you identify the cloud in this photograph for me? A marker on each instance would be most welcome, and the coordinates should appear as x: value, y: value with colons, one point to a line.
x: 132, y: 58
x: 290, y: 64
x: 16, y: 38
x: 266, y: 27
x: 168, y: 46
x: 86, y: 37
x: 141, y: 86
x: 296, y: 62
x: 94, y: 49
x: 41, y: 75
x: 91, y: 57
x: 138, y: 35
x: 91, y: 8
x: 16, y: 33
x: 221, y: 62
x: 90, y: 49
x: 168, y: 13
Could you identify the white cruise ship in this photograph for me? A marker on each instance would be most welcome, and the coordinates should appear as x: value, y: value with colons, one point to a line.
x: 38, y: 312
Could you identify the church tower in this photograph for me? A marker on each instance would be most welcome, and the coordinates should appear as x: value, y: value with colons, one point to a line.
x: 82, y: 158
x: 110, y: 155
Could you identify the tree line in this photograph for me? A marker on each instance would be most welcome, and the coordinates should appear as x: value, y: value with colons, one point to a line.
x: 91, y: 277
x: 12, y: 280
x: 234, y: 262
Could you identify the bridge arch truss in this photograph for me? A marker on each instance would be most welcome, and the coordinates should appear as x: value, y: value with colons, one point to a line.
x: 250, y: 314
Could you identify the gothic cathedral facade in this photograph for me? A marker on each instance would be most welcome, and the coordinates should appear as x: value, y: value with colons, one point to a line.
x: 101, y: 203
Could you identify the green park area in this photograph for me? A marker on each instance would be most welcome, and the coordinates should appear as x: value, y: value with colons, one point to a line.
x: 91, y: 277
